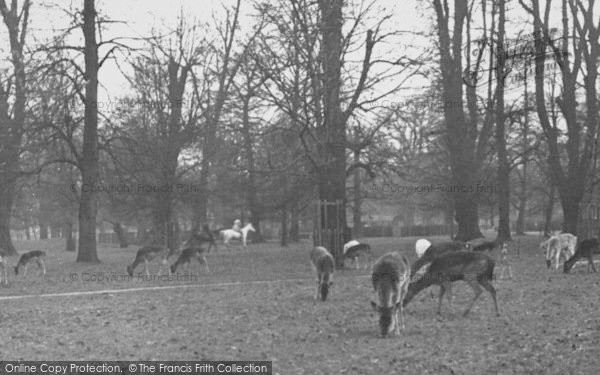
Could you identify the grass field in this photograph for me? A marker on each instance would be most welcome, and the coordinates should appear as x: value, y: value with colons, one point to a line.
x: 259, y: 306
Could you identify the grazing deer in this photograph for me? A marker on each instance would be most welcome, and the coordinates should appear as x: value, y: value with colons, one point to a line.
x: 199, y: 239
x: 195, y: 249
x: 354, y: 249
x: 558, y: 245
x: 323, y: 263
x: 434, y: 251
x: 477, y: 269
x: 147, y: 254
x: 188, y: 254
x: 390, y: 278
x: 36, y: 256
x: 587, y: 248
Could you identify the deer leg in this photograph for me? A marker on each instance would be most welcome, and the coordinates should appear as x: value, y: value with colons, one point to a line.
x: 490, y: 288
x: 146, y: 266
x: 401, y: 307
x: 591, y: 263
x: 449, y: 291
x: 396, y: 325
x: 202, y: 260
x: 477, y: 289
x: 318, y: 287
x: 25, y: 272
x: 356, y: 264
x: 441, y: 296
x: 43, y: 265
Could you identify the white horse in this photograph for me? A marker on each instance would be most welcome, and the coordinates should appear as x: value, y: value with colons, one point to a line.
x: 229, y: 234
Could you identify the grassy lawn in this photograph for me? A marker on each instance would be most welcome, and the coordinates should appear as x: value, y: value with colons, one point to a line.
x: 549, y: 321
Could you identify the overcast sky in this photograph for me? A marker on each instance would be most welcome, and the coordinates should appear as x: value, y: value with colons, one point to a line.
x: 142, y: 16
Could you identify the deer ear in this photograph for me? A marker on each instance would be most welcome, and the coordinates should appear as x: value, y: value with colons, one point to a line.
x: 374, y: 306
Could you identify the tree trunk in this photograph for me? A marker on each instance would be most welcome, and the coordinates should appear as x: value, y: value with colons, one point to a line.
x: 55, y: 230
x: 570, y: 205
x: 581, y: 142
x: 459, y: 137
x: 43, y: 231
x: 251, y: 190
x: 284, y: 226
x: 141, y: 233
x: 89, y: 159
x: 226, y: 74
x: 6, y: 204
x: 162, y: 222
x: 12, y: 129
x: 175, y: 235
x: 332, y: 173
x: 121, y: 235
x: 357, y: 209
x: 549, y: 211
x: 294, y: 223
x: 520, y: 229
x: 69, y: 240
x: 449, y: 218
x: 525, y: 144
x: 503, y: 163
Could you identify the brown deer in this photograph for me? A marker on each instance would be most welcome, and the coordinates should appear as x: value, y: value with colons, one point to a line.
x: 434, y: 251
x: 323, y: 263
x: 587, y: 248
x: 475, y: 268
x: 390, y: 278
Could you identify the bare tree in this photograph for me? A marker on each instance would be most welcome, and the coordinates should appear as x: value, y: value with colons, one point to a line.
x: 581, y: 33
x: 224, y: 70
x: 312, y: 82
x: 11, y: 135
x: 461, y: 134
x: 89, y: 153
x: 503, y: 163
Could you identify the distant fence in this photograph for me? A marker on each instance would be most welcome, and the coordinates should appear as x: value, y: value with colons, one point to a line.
x: 112, y: 237
x: 406, y: 231
x: 425, y: 230
x: 378, y: 231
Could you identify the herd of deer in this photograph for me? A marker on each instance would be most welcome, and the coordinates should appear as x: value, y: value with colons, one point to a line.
x: 444, y: 264
x: 395, y: 281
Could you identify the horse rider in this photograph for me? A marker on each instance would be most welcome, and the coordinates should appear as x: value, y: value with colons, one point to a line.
x: 237, y: 226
